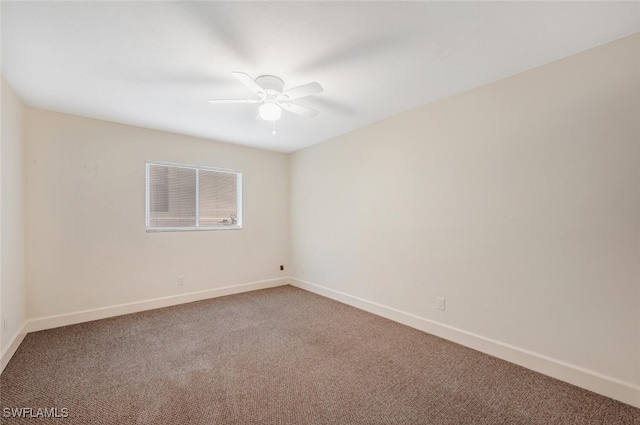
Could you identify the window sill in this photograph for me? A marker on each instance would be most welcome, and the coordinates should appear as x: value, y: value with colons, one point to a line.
x: 191, y: 229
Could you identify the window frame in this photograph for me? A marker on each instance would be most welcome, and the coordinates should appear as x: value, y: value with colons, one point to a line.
x: 197, y: 227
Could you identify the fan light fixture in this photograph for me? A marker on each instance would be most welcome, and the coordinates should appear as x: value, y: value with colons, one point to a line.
x: 270, y: 112
x: 273, y: 98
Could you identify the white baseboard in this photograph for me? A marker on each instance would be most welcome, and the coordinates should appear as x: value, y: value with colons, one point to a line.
x: 42, y: 323
x: 593, y: 381
x: 10, y: 350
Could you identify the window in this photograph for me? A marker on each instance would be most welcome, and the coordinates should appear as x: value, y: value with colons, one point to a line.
x: 188, y: 197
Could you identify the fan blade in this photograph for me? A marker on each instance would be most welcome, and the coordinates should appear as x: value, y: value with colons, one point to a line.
x: 233, y: 101
x: 300, y: 110
x: 302, y: 91
x: 249, y: 82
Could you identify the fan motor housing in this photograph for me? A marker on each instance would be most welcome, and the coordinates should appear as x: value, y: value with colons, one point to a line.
x: 270, y: 83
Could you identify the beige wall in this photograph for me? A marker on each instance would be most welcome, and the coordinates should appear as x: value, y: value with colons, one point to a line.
x: 519, y: 202
x: 86, y: 241
x: 12, y: 253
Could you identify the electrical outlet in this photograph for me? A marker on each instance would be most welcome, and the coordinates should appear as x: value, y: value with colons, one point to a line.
x: 440, y: 303
x: 281, y: 267
x: 180, y: 280
x: 5, y: 322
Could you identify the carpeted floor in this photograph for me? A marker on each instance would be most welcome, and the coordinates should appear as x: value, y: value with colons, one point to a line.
x: 279, y: 356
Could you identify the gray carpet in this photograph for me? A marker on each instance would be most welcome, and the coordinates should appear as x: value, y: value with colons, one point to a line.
x: 279, y: 356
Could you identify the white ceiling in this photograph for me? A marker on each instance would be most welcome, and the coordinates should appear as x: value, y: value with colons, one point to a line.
x: 154, y: 64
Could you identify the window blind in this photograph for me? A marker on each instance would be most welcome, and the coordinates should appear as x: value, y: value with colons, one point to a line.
x: 218, y: 198
x: 189, y: 197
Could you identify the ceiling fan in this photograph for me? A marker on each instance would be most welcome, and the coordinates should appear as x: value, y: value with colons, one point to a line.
x: 272, y: 96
